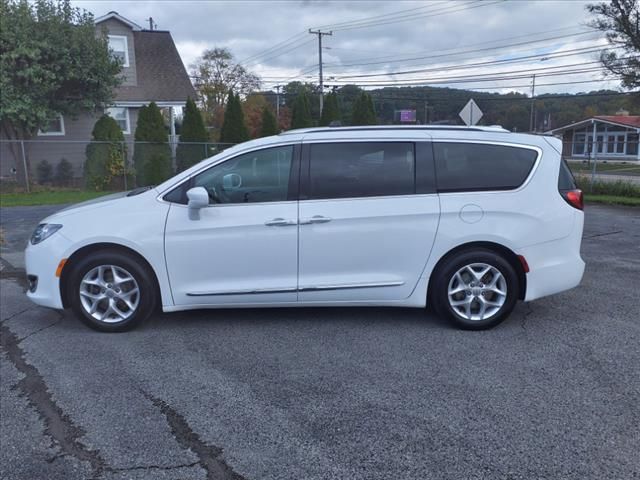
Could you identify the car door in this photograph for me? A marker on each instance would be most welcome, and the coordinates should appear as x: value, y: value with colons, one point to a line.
x: 368, y: 217
x: 243, y: 248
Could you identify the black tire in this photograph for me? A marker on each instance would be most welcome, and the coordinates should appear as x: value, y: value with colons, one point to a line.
x: 439, y: 296
x: 145, y: 279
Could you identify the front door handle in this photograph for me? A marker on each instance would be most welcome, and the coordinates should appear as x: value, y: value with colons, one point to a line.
x: 280, y: 222
x: 315, y: 219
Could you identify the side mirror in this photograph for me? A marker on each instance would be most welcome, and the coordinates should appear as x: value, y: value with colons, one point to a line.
x: 231, y: 181
x: 198, y: 198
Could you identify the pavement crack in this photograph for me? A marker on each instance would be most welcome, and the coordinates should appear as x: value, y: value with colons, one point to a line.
x: 525, y: 317
x: 602, y: 234
x: 40, y: 330
x: 210, y: 457
x: 58, y: 425
x: 17, y: 314
x: 153, y: 467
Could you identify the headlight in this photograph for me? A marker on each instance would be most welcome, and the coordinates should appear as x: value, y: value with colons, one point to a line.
x: 44, y: 231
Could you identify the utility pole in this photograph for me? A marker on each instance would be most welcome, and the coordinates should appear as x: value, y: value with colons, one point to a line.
x: 533, y: 104
x: 426, y: 115
x: 320, y: 33
x: 151, y: 23
x: 278, y: 105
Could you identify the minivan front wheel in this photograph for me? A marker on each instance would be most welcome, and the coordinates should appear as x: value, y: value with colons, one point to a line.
x: 111, y: 291
x: 475, y: 289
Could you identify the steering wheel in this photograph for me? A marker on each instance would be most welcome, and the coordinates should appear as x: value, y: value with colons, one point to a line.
x: 215, y: 196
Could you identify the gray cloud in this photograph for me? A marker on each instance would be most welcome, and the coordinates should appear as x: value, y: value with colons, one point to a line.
x: 249, y: 28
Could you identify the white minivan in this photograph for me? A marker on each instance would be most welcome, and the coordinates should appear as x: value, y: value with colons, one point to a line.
x: 465, y: 219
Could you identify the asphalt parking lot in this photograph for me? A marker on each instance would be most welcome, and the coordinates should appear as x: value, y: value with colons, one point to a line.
x: 552, y: 393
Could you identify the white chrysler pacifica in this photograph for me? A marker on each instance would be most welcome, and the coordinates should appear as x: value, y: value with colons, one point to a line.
x: 468, y: 220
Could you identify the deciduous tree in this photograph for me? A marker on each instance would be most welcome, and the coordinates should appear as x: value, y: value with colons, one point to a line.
x: 52, y: 63
x: 216, y: 74
x: 620, y: 20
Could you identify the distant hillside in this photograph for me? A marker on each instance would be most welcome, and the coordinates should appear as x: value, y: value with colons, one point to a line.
x: 511, y: 110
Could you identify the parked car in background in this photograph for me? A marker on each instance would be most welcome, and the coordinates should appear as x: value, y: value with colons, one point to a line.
x: 466, y: 219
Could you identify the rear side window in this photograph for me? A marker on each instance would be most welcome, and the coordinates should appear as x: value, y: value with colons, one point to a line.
x: 566, y: 181
x: 476, y: 166
x: 342, y: 170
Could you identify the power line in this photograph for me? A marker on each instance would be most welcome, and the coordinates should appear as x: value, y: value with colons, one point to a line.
x: 442, y: 54
x: 546, y: 55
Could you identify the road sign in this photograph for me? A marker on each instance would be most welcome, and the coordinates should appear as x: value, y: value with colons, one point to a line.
x: 471, y: 113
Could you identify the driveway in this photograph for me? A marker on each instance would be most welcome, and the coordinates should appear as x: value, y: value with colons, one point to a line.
x: 552, y: 393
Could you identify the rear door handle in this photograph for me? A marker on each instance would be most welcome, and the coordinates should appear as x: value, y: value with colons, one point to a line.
x: 315, y: 219
x: 280, y: 222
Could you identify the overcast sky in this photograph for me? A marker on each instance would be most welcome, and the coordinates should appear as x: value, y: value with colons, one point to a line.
x: 437, y: 37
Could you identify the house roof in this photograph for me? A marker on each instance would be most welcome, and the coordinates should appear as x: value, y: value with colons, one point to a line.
x: 161, y: 76
x: 629, y: 121
x: 134, y: 26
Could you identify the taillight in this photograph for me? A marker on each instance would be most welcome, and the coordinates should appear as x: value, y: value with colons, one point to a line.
x: 573, y: 198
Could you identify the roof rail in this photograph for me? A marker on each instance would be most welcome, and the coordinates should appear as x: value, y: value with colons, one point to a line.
x: 492, y: 128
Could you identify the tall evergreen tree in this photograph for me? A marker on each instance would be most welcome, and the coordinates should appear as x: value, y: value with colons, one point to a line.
x: 193, y: 137
x: 233, y: 129
x: 331, y: 110
x: 301, y: 117
x: 152, y: 154
x: 269, y: 126
x: 363, y: 111
x: 105, y: 166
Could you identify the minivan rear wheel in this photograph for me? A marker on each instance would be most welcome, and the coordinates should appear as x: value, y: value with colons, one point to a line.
x: 475, y: 289
x: 111, y: 291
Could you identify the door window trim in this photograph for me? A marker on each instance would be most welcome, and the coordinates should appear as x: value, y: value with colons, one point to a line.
x: 292, y: 191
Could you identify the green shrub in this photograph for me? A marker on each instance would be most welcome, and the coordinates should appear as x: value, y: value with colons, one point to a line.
x: 44, y: 171
x: 620, y: 188
x: 64, y: 173
x: 152, y: 154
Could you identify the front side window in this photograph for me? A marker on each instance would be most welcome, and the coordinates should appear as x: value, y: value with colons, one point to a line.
x: 343, y: 170
x: 260, y: 176
x: 477, y: 167
x: 54, y: 127
x: 118, y: 47
x: 121, y: 116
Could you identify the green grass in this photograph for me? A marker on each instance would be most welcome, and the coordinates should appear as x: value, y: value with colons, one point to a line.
x: 612, y: 200
x: 47, y: 197
x: 609, y: 168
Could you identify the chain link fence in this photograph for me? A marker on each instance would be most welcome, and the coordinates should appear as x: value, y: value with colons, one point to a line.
x: 110, y: 166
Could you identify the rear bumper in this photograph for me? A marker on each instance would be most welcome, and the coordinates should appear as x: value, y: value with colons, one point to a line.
x: 555, y: 266
x: 41, y: 261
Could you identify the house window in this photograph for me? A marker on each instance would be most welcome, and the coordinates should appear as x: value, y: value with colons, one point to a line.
x: 118, y: 46
x: 632, y: 144
x: 54, y: 127
x: 121, y: 116
x: 578, y: 143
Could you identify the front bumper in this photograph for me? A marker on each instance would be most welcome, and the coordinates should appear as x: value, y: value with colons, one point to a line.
x: 41, y: 261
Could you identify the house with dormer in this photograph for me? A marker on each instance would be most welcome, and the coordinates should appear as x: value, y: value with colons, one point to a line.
x: 152, y: 71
